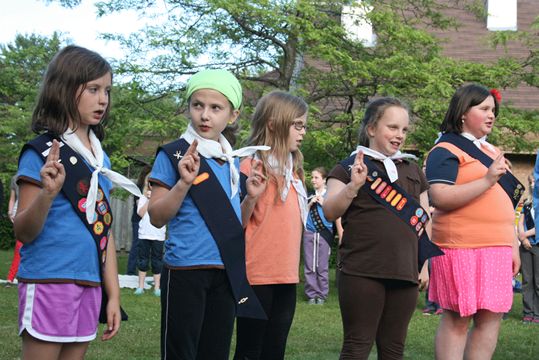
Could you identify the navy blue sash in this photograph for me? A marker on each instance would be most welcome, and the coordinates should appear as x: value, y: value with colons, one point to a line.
x: 509, y: 183
x: 225, y: 227
x: 320, y: 226
x: 397, y: 201
x: 75, y: 189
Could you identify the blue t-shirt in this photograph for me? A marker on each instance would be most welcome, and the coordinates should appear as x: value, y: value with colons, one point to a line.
x: 190, y: 242
x: 442, y: 167
x: 64, y: 249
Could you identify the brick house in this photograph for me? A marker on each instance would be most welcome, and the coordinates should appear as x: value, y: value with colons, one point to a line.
x: 470, y: 43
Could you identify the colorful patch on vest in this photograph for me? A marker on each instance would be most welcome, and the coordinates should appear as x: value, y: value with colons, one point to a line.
x: 401, y: 203
x: 381, y: 187
x: 419, y: 212
x: 82, y: 205
x: 102, y: 207
x: 103, y: 243
x: 107, y: 218
x: 418, y: 226
x: 200, y: 178
x: 99, y: 228
x: 424, y: 218
x: 83, y: 186
x: 386, y: 191
x: 391, y: 195
x: 413, y: 220
x: 100, y: 195
x: 376, y: 183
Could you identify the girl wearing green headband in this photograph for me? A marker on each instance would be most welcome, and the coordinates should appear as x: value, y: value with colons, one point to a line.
x: 203, y: 289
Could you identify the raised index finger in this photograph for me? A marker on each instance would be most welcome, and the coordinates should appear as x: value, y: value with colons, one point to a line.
x: 54, y: 152
x: 192, y: 149
x: 359, y: 158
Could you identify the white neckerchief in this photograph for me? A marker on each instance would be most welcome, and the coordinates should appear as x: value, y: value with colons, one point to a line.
x: 389, y: 165
x: 479, y: 142
x: 221, y: 150
x: 290, y: 180
x: 96, y: 162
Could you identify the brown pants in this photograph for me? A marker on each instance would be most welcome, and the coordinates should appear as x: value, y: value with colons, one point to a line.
x: 375, y: 310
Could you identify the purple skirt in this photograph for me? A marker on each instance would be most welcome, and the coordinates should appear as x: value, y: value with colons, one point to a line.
x: 59, y: 312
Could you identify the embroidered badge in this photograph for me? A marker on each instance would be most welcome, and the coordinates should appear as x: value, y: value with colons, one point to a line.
x: 381, y: 187
x: 386, y: 191
x: 103, y: 243
x: 102, y: 207
x: 376, y: 183
x: 401, y: 203
x: 396, y: 200
x: 178, y: 155
x: 82, y: 205
x: 107, y: 218
x: 413, y: 220
x: 82, y: 187
x: 200, y: 178
x: 419, y: 212
x: 242, y: 300
x: 73, y: 160
x: 100, y: 195
x: 99, y: 228
x: 392, y: 193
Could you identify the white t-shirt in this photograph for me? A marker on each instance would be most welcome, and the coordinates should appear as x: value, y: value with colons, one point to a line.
x: 146, y: 230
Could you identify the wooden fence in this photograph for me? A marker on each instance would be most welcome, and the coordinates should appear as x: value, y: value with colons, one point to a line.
x: 122, y: 229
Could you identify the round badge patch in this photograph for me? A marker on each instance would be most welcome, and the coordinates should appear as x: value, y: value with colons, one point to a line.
x: 82, y: 187
x: 99, y: 228
x: 413, y: 220
x: 82, y: 205
x: 100, y: 195
x: 107, y: 218
x: 419, y: 212
x: 103, y: 243
x: 102, y: 207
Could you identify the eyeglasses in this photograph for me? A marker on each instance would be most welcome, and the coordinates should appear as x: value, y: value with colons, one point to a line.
x: 299, y: 125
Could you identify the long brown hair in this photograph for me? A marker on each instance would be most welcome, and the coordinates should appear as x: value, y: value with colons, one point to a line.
x: 57, y: 102
x: 274, y: 115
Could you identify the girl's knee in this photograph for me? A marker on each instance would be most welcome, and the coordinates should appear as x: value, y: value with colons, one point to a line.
x: 453, y: 322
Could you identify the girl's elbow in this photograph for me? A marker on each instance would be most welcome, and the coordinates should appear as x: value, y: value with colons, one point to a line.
x: 329, y: 214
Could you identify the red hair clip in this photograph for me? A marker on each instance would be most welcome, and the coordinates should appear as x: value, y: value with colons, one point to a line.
x: 497, y: 95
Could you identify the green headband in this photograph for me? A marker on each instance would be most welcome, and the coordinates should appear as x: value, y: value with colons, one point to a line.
x: 220, y: 80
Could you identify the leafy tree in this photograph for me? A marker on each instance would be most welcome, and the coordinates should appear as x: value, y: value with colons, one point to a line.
x: 22, y: 64
x: 300, y: 45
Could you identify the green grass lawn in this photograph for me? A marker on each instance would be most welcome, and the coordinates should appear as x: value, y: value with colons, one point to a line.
x: 316, y: 332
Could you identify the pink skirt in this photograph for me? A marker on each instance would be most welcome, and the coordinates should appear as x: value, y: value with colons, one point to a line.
x: 468, y: 280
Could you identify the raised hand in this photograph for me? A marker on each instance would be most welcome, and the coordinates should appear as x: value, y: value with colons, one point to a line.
x: 358, y: 172
x: 53, y: 173
x: 189, y: 164
x: 497, y: 169
x: 257, y: 181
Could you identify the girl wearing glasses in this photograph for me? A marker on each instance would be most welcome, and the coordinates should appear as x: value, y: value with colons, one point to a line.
x: 273, y: 222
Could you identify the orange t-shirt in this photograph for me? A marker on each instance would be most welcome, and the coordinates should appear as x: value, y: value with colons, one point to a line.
x: 488, y: 220
x: 273, y: 237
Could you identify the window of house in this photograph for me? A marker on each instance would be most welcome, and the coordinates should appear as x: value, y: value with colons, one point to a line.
x: 357, y: 26
x: 502, y: 15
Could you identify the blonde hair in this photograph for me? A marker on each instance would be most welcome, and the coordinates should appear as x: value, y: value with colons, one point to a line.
x: 274, y: 115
